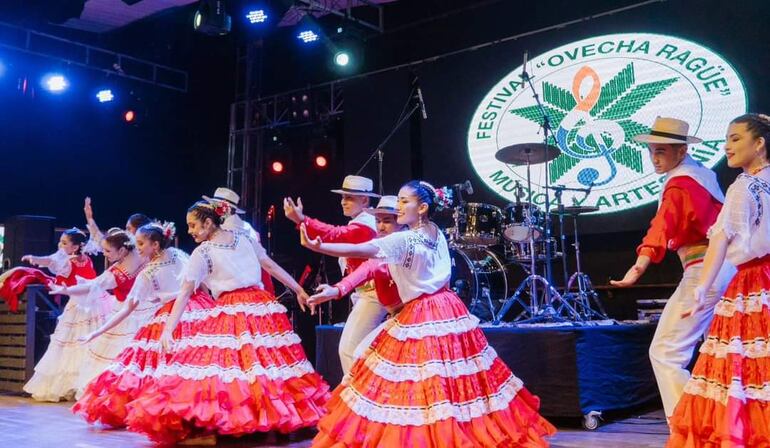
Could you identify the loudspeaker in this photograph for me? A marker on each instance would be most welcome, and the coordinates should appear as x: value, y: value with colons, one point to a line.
x: 27, y: 235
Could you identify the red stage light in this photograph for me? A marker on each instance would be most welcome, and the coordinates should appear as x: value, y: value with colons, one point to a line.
x: 321, y: 162
x: 129, y: 116
x: 277, y: 167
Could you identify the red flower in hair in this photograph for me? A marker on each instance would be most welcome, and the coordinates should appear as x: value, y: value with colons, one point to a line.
x: 223, y: 209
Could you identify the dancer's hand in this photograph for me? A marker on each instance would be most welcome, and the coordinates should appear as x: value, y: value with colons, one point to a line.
x: 630, y: 278
x: 55, y: 289
x: 166, y: 341
x: 293, y: 210
x: 89, y: 212
x: 699, y: 297
x: 305, y: 240
x: 85, y: 339
x: 302, y: 299
x: 27, y: 259
x: 324, y: 293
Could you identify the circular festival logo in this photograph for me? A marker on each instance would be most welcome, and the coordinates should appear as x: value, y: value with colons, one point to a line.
x: 598, y: 94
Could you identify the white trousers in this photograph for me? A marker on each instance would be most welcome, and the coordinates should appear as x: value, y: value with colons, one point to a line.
x: 675, y: 338
x: 366, y: 315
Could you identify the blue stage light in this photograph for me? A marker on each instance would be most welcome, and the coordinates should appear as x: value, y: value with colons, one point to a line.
x: 105, y: 96
x: 307, y: 36
x: 257, y: 16
x: 342, y: 58
x: 55, y: 83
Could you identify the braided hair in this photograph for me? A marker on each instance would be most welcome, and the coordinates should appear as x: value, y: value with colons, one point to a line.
x: 203, y: 210
x: 758, y: 126
x: 77, y: 237
x: 117, y: 238
x: 425, y: 193
x: 162, y: 233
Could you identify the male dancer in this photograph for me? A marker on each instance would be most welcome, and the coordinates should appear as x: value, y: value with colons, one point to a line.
x: 689, y: 204
x: 367, y: 311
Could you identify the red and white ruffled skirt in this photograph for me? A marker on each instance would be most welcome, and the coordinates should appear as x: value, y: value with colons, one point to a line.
x: 726, y: 402
x: 244, y: 371
x: 429, y: 379
x: 106, y: 396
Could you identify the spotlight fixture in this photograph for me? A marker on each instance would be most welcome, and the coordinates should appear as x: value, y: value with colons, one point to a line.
x: 211, y: 18
x: 55, y: 83
x: 277, y: 167
x: 321, y: 162
x: 307, y: 36
x: 256, y: 16
x: 105, y: 96
x: 342, y: 58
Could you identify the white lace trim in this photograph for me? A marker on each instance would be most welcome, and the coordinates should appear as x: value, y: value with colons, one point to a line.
x: 383, y: 368
x: 433, y: 328
x: 742, y: 304
x: 197, y: 373
x: 133, y: 368
x: 720, y: 393
x: 286, y: 339
x: 435, y: 412
x: 248, y: 309
x: 720, y: 348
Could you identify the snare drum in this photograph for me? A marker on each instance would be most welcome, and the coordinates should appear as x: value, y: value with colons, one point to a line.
x: 478, y: 224
x: 520, y: 219
x: 519, y: 252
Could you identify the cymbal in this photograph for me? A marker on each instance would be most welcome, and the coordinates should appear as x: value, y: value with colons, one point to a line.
x: 523, y: 153
x: 576, y: 210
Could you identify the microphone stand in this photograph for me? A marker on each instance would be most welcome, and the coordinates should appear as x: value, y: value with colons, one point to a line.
x: 378, y: 151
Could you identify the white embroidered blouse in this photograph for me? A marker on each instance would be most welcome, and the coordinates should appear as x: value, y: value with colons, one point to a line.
x: 160, y: 280
x: 417, y: 264
x: 745, y: 218
x: 226, y: 266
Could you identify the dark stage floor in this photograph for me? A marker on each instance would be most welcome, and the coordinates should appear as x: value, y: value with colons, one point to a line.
x: 25, y: 423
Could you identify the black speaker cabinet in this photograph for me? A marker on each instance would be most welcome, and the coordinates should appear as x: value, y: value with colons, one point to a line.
x: 25, y: 234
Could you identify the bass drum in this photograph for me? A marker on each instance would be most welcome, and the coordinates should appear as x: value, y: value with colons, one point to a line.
x: 480, y: 279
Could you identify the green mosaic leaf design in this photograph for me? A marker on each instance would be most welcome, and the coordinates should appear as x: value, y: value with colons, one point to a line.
x: 558, y: 97
x: 611, y: 91
x: 532, y: 113
x: 629, y: 157
x: 560, y: 166
x: 618, y: 100
x: 637, y: 98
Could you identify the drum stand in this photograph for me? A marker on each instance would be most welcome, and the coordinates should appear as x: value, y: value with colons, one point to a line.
x: 537, y: 312
x: 585, y: 290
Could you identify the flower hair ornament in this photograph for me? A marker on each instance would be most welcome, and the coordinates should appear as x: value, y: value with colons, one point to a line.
x: 444, y: 198
x: 166, y: 228
x: 130, y: 242
x: 223, y: 209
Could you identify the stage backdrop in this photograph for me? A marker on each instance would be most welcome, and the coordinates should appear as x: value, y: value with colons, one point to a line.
x: 677, y: 59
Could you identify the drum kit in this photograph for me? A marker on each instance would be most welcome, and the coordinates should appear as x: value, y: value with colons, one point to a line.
x: 486, y: 241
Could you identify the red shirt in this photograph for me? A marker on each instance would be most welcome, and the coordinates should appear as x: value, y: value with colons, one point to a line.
x: 82, y: 266
x: 387, y: 293
x: 687, y: 211
x: 124, y: 280
x: 353, y: 233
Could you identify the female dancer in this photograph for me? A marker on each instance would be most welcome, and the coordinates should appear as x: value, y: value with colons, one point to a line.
x: 132, y: 224
x: 118, y: 248
x: 56, y: 373
x: 428, y: 378
x: 156, y: 287
x: 726, y: 402
x: 243, y: 370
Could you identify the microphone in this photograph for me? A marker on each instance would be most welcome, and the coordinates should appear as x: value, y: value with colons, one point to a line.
x: 421, y: 102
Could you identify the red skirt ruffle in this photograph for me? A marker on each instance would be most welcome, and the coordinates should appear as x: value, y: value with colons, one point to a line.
x: 243, y: 371
x: 727, y: 400
x: 429, y: 379
x: 105, y: 397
